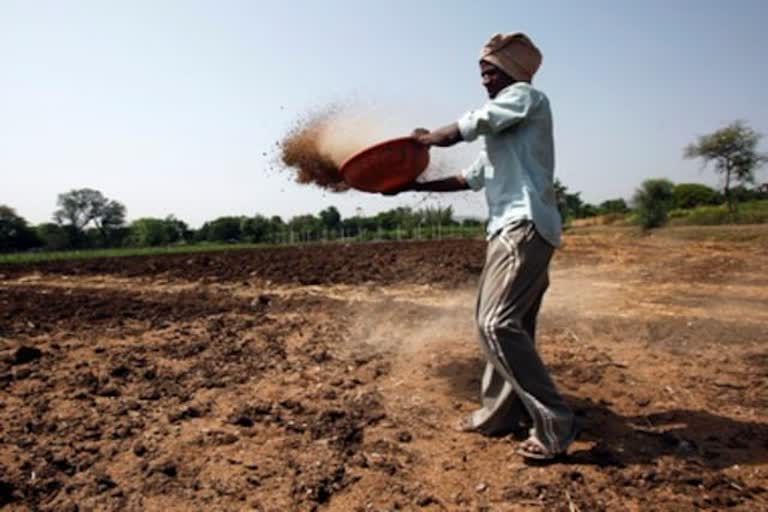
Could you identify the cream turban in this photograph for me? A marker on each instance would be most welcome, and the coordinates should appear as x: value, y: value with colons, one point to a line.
x: 514, y: 54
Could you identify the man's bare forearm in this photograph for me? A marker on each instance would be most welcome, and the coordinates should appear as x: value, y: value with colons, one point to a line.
x: 452, y: 184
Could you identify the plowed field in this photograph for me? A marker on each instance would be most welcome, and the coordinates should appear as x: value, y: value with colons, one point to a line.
x: 329, y: 377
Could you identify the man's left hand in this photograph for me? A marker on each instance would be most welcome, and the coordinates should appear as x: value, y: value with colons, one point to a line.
x: 423, y: 136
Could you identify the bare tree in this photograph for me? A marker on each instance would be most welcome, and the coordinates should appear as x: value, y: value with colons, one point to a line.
x: 78, y: 208
x: 733, y: 150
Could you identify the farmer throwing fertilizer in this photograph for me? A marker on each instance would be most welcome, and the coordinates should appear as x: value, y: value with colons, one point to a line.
x: 516, y: 168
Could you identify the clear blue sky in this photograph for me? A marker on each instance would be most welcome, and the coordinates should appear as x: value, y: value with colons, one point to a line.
x: 169, y: 106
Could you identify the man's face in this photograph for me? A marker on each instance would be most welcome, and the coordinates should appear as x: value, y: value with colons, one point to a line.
x: 494, y: 79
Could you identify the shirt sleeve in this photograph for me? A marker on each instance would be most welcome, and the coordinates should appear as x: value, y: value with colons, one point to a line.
x: 475, y: 174
x: 508, y: 108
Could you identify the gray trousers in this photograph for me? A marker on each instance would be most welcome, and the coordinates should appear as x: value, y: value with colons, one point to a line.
x: 512, y: 285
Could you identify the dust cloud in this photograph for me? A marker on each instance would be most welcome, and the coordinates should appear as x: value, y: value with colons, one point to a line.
x: 406, y: 325
x: 409, y: 321
x: 320, y: 142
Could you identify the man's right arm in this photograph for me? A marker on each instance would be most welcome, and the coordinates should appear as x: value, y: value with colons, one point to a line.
x: 452, y: 184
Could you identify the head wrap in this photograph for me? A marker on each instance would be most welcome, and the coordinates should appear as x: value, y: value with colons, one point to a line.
x: 513, y: 53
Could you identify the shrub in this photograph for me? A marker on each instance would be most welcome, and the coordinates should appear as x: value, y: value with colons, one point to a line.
x: 148, y: 232
x: 652, y: 202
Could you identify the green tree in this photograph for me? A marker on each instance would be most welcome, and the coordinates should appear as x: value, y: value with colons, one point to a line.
x: 652, y: 201
x: 256, y: 229
x: 15, y: 234
x: 150, y: 232
x: 691, y: 195
x: 79, y: 208
x: 733, y: 152
x: 305, y: 226
x: 276, y: 227
x: 330, y: 218
x: 177, y: 230
x: 223, y: 229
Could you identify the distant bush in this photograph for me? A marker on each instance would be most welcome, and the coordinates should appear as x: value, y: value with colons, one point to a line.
x: 652, y: 202
x: 691, y: 195
x: 152, y: 232
x: 753, y: 212
x: 148, y: 232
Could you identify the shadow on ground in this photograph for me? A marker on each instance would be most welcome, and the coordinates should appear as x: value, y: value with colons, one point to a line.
x: 697, y: 436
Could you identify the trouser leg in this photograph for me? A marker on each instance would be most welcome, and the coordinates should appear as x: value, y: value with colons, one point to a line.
x: 501, y: 408
x: 511, y: 289
x: 502, y: 411
x: 529, y: 320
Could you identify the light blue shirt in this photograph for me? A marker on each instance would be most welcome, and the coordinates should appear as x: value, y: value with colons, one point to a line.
x: 517, y: 165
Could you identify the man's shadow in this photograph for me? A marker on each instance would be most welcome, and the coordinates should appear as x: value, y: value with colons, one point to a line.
x: 709, y: 439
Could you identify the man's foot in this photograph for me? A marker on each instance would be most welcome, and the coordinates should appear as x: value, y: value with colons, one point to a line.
x: 532, y: 448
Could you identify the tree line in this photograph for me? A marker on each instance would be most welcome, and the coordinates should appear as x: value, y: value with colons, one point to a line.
x: 655, y: 198
x: 86, y: 219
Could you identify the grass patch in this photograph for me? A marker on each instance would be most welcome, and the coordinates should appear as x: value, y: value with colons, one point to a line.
x: 30, y: 257
x: 418, y: 233
x: 753, y: 212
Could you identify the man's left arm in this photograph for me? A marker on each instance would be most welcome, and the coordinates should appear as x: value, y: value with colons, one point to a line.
x: 509, y: 108
x: 498, y: 114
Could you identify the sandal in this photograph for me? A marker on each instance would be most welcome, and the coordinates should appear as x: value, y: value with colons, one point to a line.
x: 534, y: 449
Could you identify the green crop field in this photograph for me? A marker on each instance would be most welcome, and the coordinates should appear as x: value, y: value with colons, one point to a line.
x: 27, y: 257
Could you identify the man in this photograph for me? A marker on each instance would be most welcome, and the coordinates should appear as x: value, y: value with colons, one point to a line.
x: 516, y: 168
